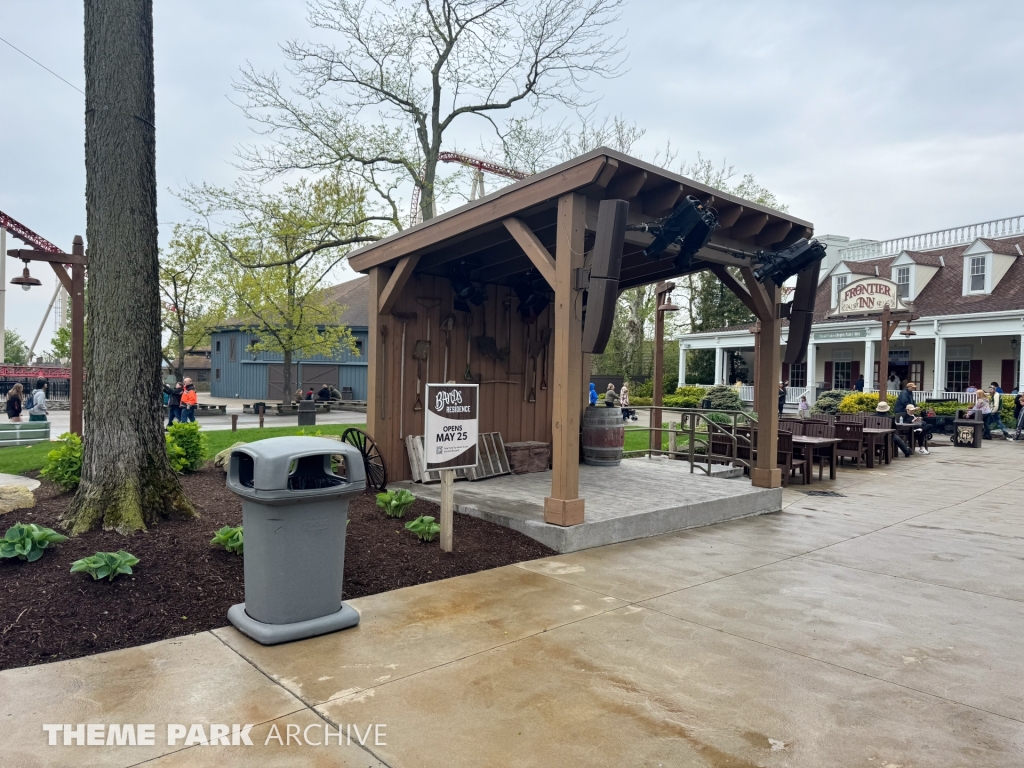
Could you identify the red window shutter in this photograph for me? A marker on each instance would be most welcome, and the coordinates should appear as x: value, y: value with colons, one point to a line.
x: 1008, y: 375
x: 829, y: 383
x: 873, y: 384
x: 785, y: 371
x: 854, y: 372
x: 976, y: 374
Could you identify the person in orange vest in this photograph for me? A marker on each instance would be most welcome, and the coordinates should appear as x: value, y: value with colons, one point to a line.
x: 188, y: 403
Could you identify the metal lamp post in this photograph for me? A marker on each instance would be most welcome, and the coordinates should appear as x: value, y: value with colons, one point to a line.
x: 74, y: 284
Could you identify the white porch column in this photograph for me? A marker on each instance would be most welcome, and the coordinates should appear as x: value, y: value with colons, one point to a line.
x: 869, y: 364
x: 939, y: 374
x: 812, y: 372
x: 682, y: 365
x: 719, y: 365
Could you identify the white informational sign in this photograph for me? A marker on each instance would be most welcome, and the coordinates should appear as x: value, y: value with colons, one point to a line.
x: 868, y: 296
x: 451, y: 426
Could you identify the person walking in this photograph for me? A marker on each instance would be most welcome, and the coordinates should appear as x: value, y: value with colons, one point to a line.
x: 611, y: 398
x: 981, y: 410
x: 858, y: 385
x: 174, y: 402
x: 996, y: 417
x: 627, y: 412
x: 804, y: 408
x: 14, y: 404
x: 593, y: 394
x: 1019, y: 405
x: 189, y: 401
x: 905, y: 398
x: 37, y: 409
x: 782, y: 396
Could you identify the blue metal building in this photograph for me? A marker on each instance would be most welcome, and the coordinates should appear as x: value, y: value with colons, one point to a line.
x: 237, y: 371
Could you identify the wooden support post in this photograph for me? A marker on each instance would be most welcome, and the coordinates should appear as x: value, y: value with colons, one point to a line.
x: 564, y: 506
x: 765, y: 473
x: 659, y: 375
x: 672, y: 439
x: 447, y: 508
x: 234, y: 422
x: 883, y: 356
x: 375, y: 386
x: 77, y: 334
x: 262, y: 409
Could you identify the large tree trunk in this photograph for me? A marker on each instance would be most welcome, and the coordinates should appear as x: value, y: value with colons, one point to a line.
x: 127, y: 482
x: 287, y: 396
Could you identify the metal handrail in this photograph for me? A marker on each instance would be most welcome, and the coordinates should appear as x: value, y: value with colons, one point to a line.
x: 698, y: 427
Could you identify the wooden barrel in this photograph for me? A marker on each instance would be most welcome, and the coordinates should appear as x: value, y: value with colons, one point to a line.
x: 603, y: 436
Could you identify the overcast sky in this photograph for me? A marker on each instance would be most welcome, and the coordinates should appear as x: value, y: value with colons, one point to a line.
x: 870, y: 119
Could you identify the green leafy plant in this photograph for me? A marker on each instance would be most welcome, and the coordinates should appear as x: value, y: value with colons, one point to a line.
x: 27, y: 541
x: 424, y: 527
x: 229, y: 538
x: 724, y: 398
x: 394, y: 503
x: 186, y: 447
x: 64, y: 463
x: 857, y: 402
x: 829, y: 400
x: 106, y: 565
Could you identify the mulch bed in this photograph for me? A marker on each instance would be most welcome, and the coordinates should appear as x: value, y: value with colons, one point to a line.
x: 182, y: 585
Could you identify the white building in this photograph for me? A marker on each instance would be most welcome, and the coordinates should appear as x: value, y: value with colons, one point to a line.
x: 967, y: 286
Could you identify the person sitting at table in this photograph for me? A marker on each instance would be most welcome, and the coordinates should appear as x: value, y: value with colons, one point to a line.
x: 882, y: 409
x: 921, y: 434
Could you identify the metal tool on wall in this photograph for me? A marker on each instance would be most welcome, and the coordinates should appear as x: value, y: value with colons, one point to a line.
x: 446, y: 325
x: 486, y: 345
x: 429, y: 303
x: 545, y: 340
x: 526, y: 355
x: 384, y: 370
x: 420, y: 353
x: 535, y: 350
x: 468, y: 320
x: 512, y: 363
x: 405, y: 317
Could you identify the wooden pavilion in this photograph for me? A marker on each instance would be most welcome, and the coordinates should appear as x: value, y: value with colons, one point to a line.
x: 545, y: 224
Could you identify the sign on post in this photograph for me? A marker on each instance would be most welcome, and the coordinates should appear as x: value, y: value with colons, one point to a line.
x: 867, y: 296
x: 450, y: 431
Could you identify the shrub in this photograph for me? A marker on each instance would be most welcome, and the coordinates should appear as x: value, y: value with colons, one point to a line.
x: 724, y: 398
x: 946, y: 407
x: 829, y: 400
x: 230, y: 538
x: 394, y: 503
x: 186, y: 447
x: 697, y: 393
x: 106, y: 565
x: 643, y: 389
x: 856, y: 402
x: 424, y: 527
x: 26, y: 541
x: 64, y: 463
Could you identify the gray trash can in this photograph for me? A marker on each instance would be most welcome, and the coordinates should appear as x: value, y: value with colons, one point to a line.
x: 294, y: 511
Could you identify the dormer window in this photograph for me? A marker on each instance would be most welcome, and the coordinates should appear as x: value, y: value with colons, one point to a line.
x: 903, y: 281
x: 976, y: 276
x: 838, y: 283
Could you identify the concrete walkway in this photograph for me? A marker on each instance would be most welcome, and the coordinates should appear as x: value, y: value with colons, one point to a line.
x: 877, y: 628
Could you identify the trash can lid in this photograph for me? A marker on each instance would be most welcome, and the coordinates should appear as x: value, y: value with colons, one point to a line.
x: 273, y: 461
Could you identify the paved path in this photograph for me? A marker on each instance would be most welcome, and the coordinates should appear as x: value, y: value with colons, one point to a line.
x: 879, y: 628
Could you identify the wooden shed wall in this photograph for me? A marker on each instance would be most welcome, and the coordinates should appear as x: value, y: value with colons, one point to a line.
x: 501, y: 405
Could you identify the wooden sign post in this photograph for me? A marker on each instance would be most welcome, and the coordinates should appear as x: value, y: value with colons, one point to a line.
x: 451, y: 430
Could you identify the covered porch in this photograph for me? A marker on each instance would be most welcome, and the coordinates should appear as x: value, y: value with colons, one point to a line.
x: 532, y: 383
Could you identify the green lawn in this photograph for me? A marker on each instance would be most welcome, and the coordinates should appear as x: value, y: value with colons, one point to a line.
x: 21, y: 460
x: 640, y: 439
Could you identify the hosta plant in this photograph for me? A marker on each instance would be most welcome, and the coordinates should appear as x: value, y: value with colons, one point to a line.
x: 394, y: 503
x: 64, y: 463
x: 229, y: 538
x: 27, y: 541
x: 192, y: 445
x: 106, y: 565
x: 424, y: 527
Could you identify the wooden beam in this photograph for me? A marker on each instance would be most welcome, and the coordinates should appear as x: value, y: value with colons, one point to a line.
x: 63, y: 276
x: 795, y: 234
x: 662, y: 199
x: 627, y: 185
x: 533, y: 248
x: 729, y: 216
x: 774, y: 233
x: 765, y: 473
x: 760, y: 295
x: 396, y: 283
x: 376, y: 388
x: 734, y: 285
x: 607, y: 173
x: 491, y: 209
x: 495, y: 273
x: 564, y: 506
x: 748, y: 226
x: 57, y: 258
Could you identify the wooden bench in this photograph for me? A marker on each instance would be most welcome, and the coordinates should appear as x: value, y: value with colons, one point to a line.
x: 24, y: 433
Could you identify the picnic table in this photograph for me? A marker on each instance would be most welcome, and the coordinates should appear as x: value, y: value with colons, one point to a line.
x: 819, y: 443
x: 872, y: 435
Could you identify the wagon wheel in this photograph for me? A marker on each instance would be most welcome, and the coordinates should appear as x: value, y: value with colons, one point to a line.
x: 373, y: 461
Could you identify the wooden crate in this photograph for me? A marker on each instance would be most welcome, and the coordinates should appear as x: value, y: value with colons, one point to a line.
x: 528, y: 456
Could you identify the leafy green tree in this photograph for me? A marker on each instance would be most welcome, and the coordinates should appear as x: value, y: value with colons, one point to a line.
x: 277, y: 250
x: 193, y: 305
x: 380, y: 103
x: 15, y: 348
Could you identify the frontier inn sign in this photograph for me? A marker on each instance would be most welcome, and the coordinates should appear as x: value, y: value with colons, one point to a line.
x: 867, y: 296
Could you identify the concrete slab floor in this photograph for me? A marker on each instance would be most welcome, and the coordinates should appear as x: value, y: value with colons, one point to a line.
x: 877, y: 628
